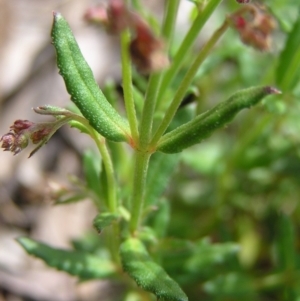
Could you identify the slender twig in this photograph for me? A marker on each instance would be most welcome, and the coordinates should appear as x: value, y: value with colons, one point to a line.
x: 168, y: 27
x: 187, y: 81
x: 113, y: 235
x: 127, y: 85
x: 140, y: 174
x: 148, y: 111
x: 142, y: 154
x: 109, y: 171
x: 155, y: 79
x: 186, y: 46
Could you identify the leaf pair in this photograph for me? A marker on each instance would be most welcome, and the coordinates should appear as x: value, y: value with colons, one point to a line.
x: 135, y: 259
x: 86, y: 94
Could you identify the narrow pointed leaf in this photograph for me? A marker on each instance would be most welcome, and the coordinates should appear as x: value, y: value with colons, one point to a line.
x: 104, y: 219
x: 147, y: 274
x: 82, y: 87
x: 287, y: 73
x: 77, y: 263
x: 205, y: 124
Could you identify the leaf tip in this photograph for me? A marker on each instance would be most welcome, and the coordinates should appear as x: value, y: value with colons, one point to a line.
x: 24, y: 242
x: 56, y: 15
x: 272, y: 90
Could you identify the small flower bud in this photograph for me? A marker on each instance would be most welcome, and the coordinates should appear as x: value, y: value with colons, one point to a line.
x: 148, y: 52
x: 40, y: 134
x: 118, y: 16
x: 8, y: 140
x: 98, y: 15
x: 243, y: 1
x: 23, y: 131
x: 115, y: 17
x: 255, y: 26
x: 20, y: 125
x: 14, y: 143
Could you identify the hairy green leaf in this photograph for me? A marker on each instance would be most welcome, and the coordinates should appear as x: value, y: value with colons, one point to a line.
x: 147, y: 274
x: 82, y: 87
x: 77, y: 263
x: 205, y: 124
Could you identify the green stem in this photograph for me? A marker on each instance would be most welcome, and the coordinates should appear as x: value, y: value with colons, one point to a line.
x: 111, y: 185
x: 142, y: 155
x: 186, y: 45
x: 171, y: 9
x: 113, y: 232
x: 140, y: 173
x: 155, y: 80
x: 148, y: 111
x: 127, y: 85
x: 108, y: 165
x: 187, y: 80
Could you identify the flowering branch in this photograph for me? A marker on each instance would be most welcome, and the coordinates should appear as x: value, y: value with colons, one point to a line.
x: 24, y: 131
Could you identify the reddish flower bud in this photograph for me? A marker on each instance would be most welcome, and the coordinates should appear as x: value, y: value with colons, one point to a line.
x: 240, y: 23
x: 22, y: 131
x: 14, y: 143
x: 20, y: 125
x: 115, y: 17
x: 254, y: 25
x: 97, y: 15
x: 147, y: 51
x: 243, y: 1
x: 41, y: 134
x: 265, y: 23
x: 118, y: 16
x: 8, y: 140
